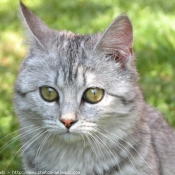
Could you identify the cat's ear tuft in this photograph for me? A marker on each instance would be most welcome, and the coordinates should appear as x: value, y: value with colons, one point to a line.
x: 36, y: 30
x: 117, y: 40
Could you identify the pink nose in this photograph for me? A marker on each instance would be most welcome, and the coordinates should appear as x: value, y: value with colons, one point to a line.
x: 68, y: 122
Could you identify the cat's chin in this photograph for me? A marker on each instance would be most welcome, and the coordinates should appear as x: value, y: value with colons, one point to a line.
x: 70, y: 137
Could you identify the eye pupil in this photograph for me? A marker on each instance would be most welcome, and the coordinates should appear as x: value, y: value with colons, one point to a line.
x: 48, y: 93
x: 93, y: 95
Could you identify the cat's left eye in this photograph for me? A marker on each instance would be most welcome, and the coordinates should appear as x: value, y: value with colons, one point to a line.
x: 48, y: 93
x: 93, y: 95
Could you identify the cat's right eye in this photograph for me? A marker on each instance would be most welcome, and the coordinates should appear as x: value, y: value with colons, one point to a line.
x: 48, y: 93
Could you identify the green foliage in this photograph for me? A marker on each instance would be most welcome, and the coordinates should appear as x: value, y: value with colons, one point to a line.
x: 154, y: 47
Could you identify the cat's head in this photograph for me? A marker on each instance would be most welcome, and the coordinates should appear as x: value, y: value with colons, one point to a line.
x: 73, y: 85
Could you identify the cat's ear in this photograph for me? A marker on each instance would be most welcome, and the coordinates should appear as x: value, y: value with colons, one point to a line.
x: 117, y: 40
x: 36, y: 29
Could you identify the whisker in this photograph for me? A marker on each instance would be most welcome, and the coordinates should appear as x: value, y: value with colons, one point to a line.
x: 41, y: 146
x: 94, y: 140
x: 16, y: 138
x: 122, y: 147
x: 97, y: 141
x: 83, y: 140
x: 109, y: 152
x: 14, y: 132
x: 131, y: 147
x: 30, y: 142
x: 91, y: 145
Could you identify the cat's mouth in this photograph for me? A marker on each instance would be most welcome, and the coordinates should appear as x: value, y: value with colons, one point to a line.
x: 78, y: 130
x: 68, y: 136
x: 68, y: 133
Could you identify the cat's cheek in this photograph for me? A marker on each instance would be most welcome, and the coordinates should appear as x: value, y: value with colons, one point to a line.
x: 83, y: 127
x: 44, y: 109
x: 91, y: 111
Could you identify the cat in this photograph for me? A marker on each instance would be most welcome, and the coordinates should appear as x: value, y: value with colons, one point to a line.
x: 80, y: 107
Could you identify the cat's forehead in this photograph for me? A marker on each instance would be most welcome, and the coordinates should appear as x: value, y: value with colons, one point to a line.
x: 79, y: 76
x: 74, y: 56
x: 69, y: 40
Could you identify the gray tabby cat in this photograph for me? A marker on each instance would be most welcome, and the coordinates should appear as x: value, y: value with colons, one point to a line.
x: 80, y: 107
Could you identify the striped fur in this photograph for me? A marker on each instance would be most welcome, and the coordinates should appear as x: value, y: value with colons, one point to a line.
x: 120, y: 135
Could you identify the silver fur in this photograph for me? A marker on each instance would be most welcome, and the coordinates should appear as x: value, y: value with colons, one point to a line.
x: 120, y: 135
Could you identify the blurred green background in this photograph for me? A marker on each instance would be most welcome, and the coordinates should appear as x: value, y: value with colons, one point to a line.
x: 154, y: 46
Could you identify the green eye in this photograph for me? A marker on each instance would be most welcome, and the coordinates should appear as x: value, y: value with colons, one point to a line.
x: 48, y: 93
x: 93, y: 95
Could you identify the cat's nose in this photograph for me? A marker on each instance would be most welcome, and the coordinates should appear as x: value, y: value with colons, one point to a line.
x: 68, y: 122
